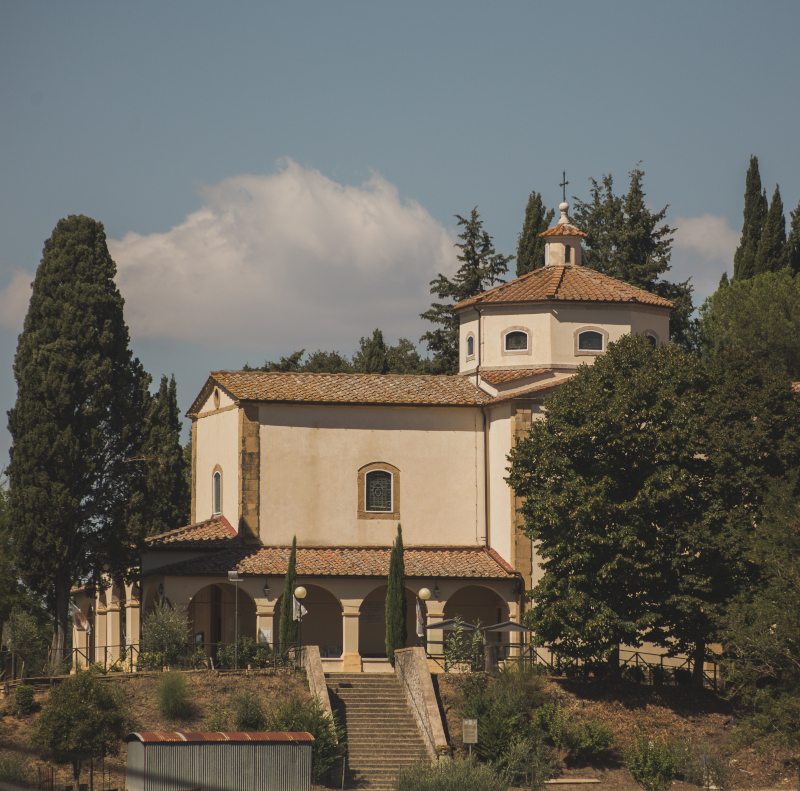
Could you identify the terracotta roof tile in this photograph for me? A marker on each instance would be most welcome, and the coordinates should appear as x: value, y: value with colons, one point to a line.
x: 499, y: 377
x: 538, y: 388
x: 444, y: 562
x: 565, y: 283
x: 392, y: 389
x: 214, y: 533
x: 562, y: 230
x: 149, y: 737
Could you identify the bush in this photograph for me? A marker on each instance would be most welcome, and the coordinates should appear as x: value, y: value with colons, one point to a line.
x: 248, y: 712
x: 16, y: 770
x: 165, y: 638
x: 689, y: 766
x: 463, y: 650
x: 650, y: 763
x: 23, y: 700
x: 218, y: 720
x: 250, y: 653
x: 173, y: 696
x: 528, y: 762
x: 554, y: 724
x: 590, y: 742
x: 450, y: 776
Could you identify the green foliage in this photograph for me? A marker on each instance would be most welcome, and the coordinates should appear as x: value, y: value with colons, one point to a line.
x: 701, y: 765
x: 372, y: 357
x: 75, y: 482
x: 481, y: 268
x: 82, y: 717
x: 627, y: 241
x: 218, y: 721
x: 528, y: 761
x: 551, y: 720
x: 791, y: 250
x: 530, y: 247
x: 450, y: 776
x: 174, y: 699
x: 463, y: 649
x: 650, y: 762
x: 760, y: 313
x: 396, y: 605
x: 755, y: 214
x: 166, y: 502
x: 639, y: 454
x: 590, y: 742
x: 770, y: 256
x: 248, y: 711
x: 250, y: 653
x: 16, y: 770
x: 288, y: 626
x: 28, y: 634
x: 165, y: 637
x: 24, y: 702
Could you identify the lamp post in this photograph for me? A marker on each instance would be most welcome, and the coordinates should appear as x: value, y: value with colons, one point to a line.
x: 300, y: 594
x: 233, y: 576
x: 424, y: 594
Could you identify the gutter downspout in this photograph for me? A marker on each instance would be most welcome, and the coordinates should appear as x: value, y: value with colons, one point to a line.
x: 487, y: 491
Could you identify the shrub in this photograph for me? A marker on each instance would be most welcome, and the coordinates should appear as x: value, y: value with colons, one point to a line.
x: 165, y: 637
x: 450, y: 776
x: 554, y: 724
x: 173, y: 696
x: 590, y: 742
x: 650, y: 762
x: 23, y: 700
x: 218, y: 720
x: 682, y: 676
x: 250, y: 653
x: 688, y: 761
x: 528, y: 762
x: 248, y: 712
x: 16, y: 770
x: 462, y: 649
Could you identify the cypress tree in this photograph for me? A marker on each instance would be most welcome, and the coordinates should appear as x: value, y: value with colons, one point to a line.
x: 530, y: 246
x: 769, y: 257
x: 288, y: 629
x: 396, y: 634
x: 165, y: 501
x: 371, y: 357
x: 755, y: 213
x: 791, y: 250
x: 481, y: 267
x: 76, y: 425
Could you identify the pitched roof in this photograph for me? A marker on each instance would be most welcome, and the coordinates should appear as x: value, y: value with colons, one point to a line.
x: 214, y: 533
x: 536, y: 389
x: 563, y: 229
x: 149, y: 737
x: 443, y: 562
x: 388, y: 389
x: 565, y: 283
x: 499, y: 377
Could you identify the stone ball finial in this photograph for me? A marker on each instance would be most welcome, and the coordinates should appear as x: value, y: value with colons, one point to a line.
x: 563, y: 207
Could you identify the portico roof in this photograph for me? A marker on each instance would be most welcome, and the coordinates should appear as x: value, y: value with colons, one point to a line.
x: 214, y: 533
x: 470, y: 562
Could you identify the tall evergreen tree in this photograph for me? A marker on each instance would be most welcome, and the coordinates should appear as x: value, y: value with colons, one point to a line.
x: 165, y: 504
x: 396, y: 605
x: 76, y: 425
x: 770, y: 257
x: 288, y: 628
x: 755, y: 214
x: 629, y: 242
x: 371, y: 357
x: 791, y: 250
x: 530, y: 246
x: 481, y: 268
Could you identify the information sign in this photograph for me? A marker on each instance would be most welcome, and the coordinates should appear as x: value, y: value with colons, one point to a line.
x: 470, y: 728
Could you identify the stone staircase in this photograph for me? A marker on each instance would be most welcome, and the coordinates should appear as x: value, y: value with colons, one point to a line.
x: 382, y: 734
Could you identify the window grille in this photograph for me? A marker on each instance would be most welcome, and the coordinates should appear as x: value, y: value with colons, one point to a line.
x: 590, y: 341
x: 516, y: 341
x: 217, y: 492
x: 470, y: 346
x: 379, y: 491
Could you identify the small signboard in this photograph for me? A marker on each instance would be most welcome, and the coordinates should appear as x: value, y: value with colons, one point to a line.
x: 470, y: 728
x: 265, y: 635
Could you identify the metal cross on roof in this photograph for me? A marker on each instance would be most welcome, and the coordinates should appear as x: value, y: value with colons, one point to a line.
x: 563, y: 185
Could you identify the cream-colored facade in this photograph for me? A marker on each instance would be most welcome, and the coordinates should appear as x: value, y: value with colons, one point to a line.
x: 339, y: 461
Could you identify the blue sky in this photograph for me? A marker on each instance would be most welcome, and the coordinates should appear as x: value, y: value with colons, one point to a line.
x: 280, y: 176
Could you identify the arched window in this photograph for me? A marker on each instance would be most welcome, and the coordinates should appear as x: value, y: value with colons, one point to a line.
x: 217, y: 492
x: 590, y: 341
x: 470, y: 346
x: 516, y: 341
x: 652, y: 339
x: 378, y: 492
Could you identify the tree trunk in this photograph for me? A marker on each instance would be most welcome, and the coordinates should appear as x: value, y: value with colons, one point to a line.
x: 613, y: 663
x: 60, y: 623
x: 698, y: 662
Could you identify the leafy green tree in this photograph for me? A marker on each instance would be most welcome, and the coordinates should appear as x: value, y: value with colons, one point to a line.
x: 288, y: 626
x: 320, y: 362
x: 405, y: 359
x: 481, y: 268
x: 640, y: 485
x: 761, y: 314
x: 396, y: 605
x: 791, y: 250
x: 76, y: 426
x: 627, y: 241
x: 166, y: 494
x: 530, y: 246
x: 165, y: 637
x: 755, y: 214
x: 82, y: 718
x: 372, y: 356
x: 762, y: 650
x: 770, y: 256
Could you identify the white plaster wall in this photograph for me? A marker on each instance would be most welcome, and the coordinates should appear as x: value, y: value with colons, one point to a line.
x: 500, y: 521
x: 469, y: 324
x: 217, y: 443
x: 310, y: 457
x: 497, y: 320
x: 224, y: 400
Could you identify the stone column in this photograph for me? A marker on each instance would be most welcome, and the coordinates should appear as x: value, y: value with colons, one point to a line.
x: 100, y: 641
x: 351, y: 658
x: 265, y: 622
x: 113, y: 631
x: 435, y: 637
x: 133, y: 624
x: 80, y: 643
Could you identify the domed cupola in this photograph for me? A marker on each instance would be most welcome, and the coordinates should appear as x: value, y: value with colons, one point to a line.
x: 563, y: 241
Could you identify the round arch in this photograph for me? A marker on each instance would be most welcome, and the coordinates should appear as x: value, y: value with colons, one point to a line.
x: 372, y: 622
x: 212, y: 616
x: 477, y: 603
x: 322, y: 623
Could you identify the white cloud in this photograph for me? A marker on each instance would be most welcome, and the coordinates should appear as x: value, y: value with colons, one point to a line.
x: 14, y: 299
x: 703, y: 249
x: 285, y: 261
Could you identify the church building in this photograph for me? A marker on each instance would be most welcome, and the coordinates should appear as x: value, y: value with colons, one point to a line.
x: 340, y: 460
